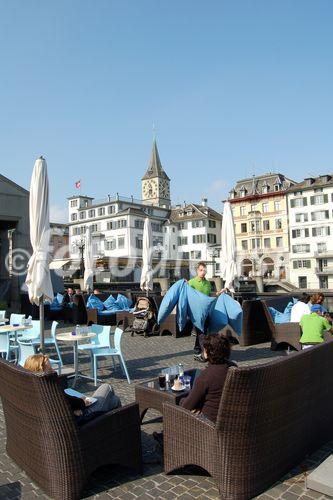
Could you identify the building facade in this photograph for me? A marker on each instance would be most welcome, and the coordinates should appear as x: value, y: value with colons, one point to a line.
x: 259, y: 206
x: 59, y: 241
x: 181, y: 235
x: 311, y: 232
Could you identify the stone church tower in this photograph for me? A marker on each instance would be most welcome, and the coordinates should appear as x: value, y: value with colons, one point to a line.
x: 155, y: 182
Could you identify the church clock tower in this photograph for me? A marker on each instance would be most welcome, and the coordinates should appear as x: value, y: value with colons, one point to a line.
x: 155, y: 182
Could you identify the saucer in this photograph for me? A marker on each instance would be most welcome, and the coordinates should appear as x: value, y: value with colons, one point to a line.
x: 177, y: 390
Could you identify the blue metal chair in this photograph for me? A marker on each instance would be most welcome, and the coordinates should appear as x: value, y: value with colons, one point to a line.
x: 115, y: 351
x: 33, y: 335
x: 102, y: 339
x: 5, y: 345
x: 2, y: 317
x: 16, y: 319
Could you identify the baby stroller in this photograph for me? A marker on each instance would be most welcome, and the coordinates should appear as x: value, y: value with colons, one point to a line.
x: 144, y: 317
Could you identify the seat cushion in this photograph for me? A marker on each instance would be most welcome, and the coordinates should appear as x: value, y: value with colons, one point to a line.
x: 109, y: 302
x: 95, y: 303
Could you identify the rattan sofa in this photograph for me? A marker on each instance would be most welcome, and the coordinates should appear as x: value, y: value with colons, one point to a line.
x: 270, y: 417
x: 44, y: 439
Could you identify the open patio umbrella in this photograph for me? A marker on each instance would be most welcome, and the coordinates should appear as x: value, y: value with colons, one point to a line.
x: 146, y: 282
x: 88, y: 262
x: 228, y: 250
x: 38, y: 278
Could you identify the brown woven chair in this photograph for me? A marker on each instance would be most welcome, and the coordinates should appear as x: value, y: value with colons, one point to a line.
x: 44, y: 439
x: 283, y: 334
x: 270, y: 417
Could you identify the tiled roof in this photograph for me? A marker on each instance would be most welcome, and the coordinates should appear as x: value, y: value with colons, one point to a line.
x: 254, y: 185
x: 324, y: 180
x: 193, y: 211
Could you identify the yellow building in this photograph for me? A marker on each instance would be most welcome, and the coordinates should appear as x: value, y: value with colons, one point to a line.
x: 259, y: 206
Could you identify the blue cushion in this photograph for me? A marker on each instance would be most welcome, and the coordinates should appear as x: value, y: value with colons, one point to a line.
x: 122, y: 302
x: 198, y: 307
x: 281, y: 317
x: 59, y: 298
x: 225, y: 311
x: 95, y: 303
x: 55, y: 306
x: 109, y: 302
x: 169, y: 301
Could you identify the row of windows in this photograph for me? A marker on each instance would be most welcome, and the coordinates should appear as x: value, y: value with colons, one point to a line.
x: 317, y: 199
x: 303, y: 282
x: 315, y: 216
x: 115, y: 243
x: 305, y: 248
x: 197, y: 238
x: 264, y: 208
x: 256, y: 243
x: 197, y: 223
x: 305, y: 232
x: 265, y: 189
x: 255, y: 226
x: 195, y: 254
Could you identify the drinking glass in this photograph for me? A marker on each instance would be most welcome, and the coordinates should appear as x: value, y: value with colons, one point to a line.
x: 187, y: 382
x: 161, y: 381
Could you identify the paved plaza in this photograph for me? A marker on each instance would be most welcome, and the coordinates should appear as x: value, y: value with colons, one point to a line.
x: 145, y: 357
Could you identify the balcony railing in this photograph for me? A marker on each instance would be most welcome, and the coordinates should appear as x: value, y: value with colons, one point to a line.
x: 324, y: 270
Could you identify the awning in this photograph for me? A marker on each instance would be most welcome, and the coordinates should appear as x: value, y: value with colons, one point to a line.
x: 58, y: 264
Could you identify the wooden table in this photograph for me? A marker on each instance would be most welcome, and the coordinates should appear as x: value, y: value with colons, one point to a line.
x: 69, y: 337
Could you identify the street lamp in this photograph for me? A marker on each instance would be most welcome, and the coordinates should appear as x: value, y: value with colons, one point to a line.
x: 80, y: 244
x: 213, y: 253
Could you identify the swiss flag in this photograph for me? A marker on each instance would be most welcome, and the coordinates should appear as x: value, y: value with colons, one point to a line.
x: 78, y: 184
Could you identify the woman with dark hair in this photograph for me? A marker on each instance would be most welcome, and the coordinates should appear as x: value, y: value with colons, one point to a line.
x: 204, y: 398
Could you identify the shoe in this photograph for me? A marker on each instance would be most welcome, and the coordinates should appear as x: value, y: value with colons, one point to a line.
x: 158, y: 436
x: 198, y: 357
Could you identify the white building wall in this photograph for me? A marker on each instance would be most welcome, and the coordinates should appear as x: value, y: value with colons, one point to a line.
x: 311, y: 240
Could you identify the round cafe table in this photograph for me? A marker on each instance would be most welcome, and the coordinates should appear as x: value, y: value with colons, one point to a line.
x: 75, y: 339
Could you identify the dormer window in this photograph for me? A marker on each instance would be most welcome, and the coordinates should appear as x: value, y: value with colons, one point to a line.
x: 277, y: 187
x: 242, y: 191
x: 232, y: 193
x: 189, y: 212
x: 265, y: 188
x: 181, y: 214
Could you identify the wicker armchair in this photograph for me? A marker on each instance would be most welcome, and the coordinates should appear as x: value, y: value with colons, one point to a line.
x: 44, y: 439
x: 270, y: 417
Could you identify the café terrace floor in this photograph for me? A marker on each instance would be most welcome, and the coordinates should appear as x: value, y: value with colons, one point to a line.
x: 145, y: 357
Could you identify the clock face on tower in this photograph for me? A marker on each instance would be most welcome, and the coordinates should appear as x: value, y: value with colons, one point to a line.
x: 164, y: 189
x: 149, y: 189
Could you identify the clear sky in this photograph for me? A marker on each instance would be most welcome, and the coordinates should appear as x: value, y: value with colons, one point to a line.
x: 234, y: 88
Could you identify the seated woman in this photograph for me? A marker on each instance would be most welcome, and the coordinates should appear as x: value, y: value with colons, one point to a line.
x: 107, y: 400
x: 204, y: 398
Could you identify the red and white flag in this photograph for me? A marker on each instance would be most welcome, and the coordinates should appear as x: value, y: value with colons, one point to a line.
x: 78, y: 184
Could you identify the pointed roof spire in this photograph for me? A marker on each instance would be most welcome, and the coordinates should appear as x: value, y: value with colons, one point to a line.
x: 155, y: 168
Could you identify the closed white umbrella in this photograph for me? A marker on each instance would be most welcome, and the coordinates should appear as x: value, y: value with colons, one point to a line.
x: 146, y: 282
x: 38, y: 278
x: 228, y: 250
x: 88, y: 261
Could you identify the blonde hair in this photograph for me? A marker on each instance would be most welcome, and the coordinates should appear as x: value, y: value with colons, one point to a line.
x: 37, y: 363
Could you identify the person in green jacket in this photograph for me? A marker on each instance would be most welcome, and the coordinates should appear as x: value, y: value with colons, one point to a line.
x: 201, y: 284
x: 313, y: 327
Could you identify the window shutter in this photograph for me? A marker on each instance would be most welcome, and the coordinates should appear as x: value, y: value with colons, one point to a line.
x: 295, y: 264
x: 305, y: 202
x: 292, y: 203
x: 325, y: 198
x: 312, y: 200
x: 293, y: 232
x: 306, y: 232
x: 327, y: 214
x: 328, y: 231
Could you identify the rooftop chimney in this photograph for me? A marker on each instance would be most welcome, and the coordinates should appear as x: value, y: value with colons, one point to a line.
x: 204, y: 202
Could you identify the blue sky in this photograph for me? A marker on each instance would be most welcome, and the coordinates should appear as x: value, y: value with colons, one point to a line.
x: 233, y: 87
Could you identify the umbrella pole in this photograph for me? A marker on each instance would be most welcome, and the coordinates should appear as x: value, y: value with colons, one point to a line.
x: 42, y: 323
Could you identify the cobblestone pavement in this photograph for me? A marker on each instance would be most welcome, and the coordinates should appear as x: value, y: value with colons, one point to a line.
x: 145, y: 357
